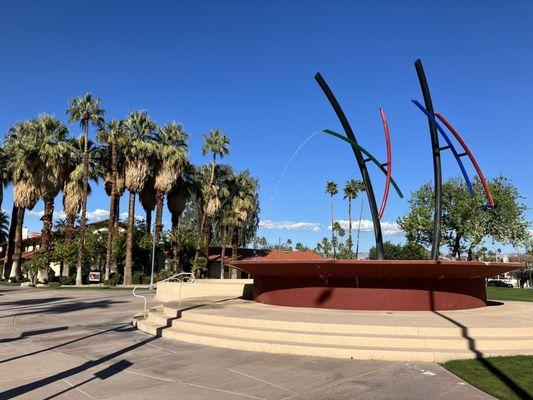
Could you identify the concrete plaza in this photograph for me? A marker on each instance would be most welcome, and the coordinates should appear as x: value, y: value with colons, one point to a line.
x: 79, y: 344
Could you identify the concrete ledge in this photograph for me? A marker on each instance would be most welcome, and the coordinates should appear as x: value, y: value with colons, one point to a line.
x: 175, y: 291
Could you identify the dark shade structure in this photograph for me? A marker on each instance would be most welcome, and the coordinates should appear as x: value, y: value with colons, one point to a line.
x: 372, y: 285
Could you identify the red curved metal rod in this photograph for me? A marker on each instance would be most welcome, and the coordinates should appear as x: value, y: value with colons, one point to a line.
x: 389, y: 163
x: 470, y: 155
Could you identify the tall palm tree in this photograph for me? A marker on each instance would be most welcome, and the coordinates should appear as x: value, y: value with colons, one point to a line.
x: 113, y: 135
x: 85, y: 110
x: 148, y: 199
x: 53, y: 159
x: 185, y: 188
x: 245, y: 204
x: 138, y: 153
x: 21, y: 149
x: 5, y: 179
x: 351, y: 191
x: 73, y: 185
x: 361, y: 188
x: 332, y: 190
x: 172, y: 156
x: 217, y: 144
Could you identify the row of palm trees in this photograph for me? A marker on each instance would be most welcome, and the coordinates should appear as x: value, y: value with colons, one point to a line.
x: 352, y: 189
x: 39, y: 159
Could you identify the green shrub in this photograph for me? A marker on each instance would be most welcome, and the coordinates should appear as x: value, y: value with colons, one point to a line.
x: 114, y: 279
x: 67, y: 280
x: 137, y: 278
x: 54, y: 285
x: 145, y: 279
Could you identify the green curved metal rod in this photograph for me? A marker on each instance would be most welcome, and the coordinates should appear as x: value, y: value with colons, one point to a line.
x: 370, y: 156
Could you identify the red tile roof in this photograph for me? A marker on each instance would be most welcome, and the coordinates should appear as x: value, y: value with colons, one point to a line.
x: 272, y: 254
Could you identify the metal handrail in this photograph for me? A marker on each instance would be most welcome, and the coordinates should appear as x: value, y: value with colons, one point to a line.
x: 182, y: 277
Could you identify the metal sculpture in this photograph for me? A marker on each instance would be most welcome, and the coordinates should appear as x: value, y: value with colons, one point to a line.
x: 361, y: 162
x: 434, y: 126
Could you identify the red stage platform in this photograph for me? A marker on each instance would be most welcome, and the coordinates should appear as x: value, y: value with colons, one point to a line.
x: 372, y: 285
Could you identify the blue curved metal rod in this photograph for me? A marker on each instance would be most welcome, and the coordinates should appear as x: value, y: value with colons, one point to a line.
x: 450, y: 144
x: 367, y: 153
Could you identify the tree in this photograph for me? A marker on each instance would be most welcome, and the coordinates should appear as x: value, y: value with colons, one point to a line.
x: 351, y: 191
x: 73, y: 186
x: 185, y: 188
x: 21, y: 147
x: 360, y: 188
x: 332, y: 190
x: 466, y: 220
x: 86, y: 110
x: 148, y: 199
x: 408, y: 251
x: 138, y: 153
x: 4, y: 226
x: 171, y: 159
x: 217, y: 144
x: 113, y: 136
x: 52, y: 158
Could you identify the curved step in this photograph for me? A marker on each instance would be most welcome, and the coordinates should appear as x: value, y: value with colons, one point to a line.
x: 342, y: 339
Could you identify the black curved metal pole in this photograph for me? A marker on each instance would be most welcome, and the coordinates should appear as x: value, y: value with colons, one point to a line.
x: 360, y: 162
x: 435, y: 147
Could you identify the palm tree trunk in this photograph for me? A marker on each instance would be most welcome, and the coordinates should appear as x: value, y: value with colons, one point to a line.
x: 69, y: 236
x: 234, y: 247
x: 81, y: 242
x: 116, y: 221
x: 223, y: 251
x: 112, y: 206
x: 206, y: 201
x: 175, y: 244
x: 129, y: 241
x: 332, y: 230
x: 46, y: 236
x: 148, y: 220
x: 158, y: 227
x: 15, y: 273
x: 110, y: 226
x: 10, y: 248
x: 359, y: 228
x: 350, y: 223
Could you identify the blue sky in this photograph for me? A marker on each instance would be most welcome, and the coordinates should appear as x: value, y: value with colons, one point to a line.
x: 247, y: 67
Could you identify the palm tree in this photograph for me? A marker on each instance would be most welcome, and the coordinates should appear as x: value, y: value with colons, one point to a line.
x: 171, y: 160
x: 85, y: 110
x: 361, y: 188
x: 138, y: 153
x: 148, y: 200
x: 5, y: 179
x: 113, y: 135
x: 185, y: 187
x: 21, y: 148
x: 332, y: 190
x: 218, y: 144
x: 52, y: 157
x: 245, y: 203
x: 351, y: 191
x: 73, y: 185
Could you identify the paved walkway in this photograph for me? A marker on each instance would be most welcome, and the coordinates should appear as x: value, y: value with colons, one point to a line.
x: 78, y: 344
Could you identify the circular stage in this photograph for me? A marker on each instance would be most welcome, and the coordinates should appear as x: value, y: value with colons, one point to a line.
x: 372, y: 285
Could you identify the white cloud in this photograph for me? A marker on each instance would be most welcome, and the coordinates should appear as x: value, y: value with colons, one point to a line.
x: 97, y: 214
x: 387, y: 228
x: 39, y: 213
x: 289, y: 225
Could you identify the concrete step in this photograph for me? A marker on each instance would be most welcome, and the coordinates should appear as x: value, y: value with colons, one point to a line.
x: 150, y: 327
x: 357, y: 329
x: 365, y: 340
x: 331, y: 351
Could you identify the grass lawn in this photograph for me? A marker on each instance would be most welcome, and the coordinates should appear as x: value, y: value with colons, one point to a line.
x: 499, y: 293
x: 502, y: 377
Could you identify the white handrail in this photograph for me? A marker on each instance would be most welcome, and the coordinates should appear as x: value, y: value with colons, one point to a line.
x: 182, y: 277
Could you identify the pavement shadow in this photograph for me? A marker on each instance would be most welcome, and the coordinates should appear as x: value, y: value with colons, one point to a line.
x: 68, y: 307
x: 115, y: 329
x: 27, y: 334
x: 30, y: 386
x: 496, y: 372
x: 29, y: 302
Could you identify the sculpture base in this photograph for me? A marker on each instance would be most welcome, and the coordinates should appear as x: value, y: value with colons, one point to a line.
x: 373, y: 285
